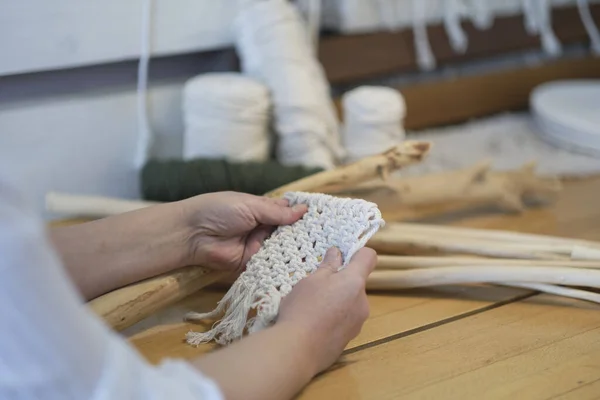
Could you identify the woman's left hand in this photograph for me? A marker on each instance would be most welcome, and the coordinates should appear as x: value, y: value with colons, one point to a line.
x: 218, y: 230
x: 227, y: 228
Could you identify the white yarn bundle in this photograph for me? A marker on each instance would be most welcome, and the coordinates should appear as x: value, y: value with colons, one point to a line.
x: 274, y: 48
x: 291, y: 254
x: 226, y: 115
x: 373, y: 120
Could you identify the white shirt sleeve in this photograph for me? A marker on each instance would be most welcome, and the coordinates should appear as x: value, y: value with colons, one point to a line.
x: 51, y: 346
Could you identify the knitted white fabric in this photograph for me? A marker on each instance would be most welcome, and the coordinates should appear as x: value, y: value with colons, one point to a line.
x: 292, y: 253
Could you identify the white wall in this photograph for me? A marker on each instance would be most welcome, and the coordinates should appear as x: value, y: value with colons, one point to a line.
x: 38, y: 35
x: 75, y: 131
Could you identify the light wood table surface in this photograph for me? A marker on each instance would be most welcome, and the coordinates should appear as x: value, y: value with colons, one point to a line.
x: 451, y: 342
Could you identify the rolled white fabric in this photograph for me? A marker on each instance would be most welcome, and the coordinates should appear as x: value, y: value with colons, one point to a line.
x: 226, y: 115
x: 274, y: 48
x: 373, y: 120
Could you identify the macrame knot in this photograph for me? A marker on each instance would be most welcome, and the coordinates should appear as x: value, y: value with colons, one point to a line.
x: 292, y: 253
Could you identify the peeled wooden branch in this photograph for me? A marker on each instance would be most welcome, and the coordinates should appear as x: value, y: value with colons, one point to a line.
x: 476, y: 185
x: 390, y: 241
x: 391, y: 280
x: 91, y: 206
x: 124, y: 307
x: 347, y: 176
x: 557, y: 290
x: 488, y: 234
x: 406, y: 238
x: 415, y: 262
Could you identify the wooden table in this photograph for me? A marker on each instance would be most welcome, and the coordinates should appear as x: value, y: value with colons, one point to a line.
x: 452, y: 342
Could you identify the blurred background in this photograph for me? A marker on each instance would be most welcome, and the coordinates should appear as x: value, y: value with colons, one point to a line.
x: 90, y: 91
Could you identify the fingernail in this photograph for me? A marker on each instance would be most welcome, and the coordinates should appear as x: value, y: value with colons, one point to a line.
x: 332, y: 256
x: 299, y: 208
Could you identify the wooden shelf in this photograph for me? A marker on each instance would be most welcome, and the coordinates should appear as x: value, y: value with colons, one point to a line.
x: 350, y: 58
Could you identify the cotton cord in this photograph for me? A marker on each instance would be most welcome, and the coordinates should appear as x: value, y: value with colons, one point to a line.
x: 273, y: 47
x: 538, y: 21
x: 291, y: 254
x: 425, y: 59
x: 531, y: 22
x: 226, y: 116
x: 590, y: 27
x: 481, y: 14
x: 373, y: 120
x: 145, y: 137
x: 174, y: 180
x: 452, y: 18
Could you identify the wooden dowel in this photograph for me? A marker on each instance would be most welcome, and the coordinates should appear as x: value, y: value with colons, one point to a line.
x: 391, y: 280
x: 394, y: 242
x: 126, y: 306
x: 557, y: 290
x: 91, y: 206
x: 490, y: 234
x: 411, y: 262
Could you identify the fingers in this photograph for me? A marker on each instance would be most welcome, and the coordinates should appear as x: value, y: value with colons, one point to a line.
x: 332, y: 261
x: 255, y: 241
x: 275, y: 212
x: 363, y: 263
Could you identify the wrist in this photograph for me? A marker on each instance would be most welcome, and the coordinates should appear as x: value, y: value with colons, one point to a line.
x: 306, y: 347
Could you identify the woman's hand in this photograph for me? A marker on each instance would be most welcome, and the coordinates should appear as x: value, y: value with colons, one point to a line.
x: 219, y: 230
x: 227, y: 228
x: 316, y: 321
x: 331, y: 306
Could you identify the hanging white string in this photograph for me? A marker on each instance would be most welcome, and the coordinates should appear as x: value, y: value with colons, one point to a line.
x: 538, y: 21
x: 425, y: 58
x: 550, y: 42
x: 531, y: 22
x: 588, y: 22
x: 313, y: 9
x: 481, y: 14
x: 144, y: 139
x: 274, y: 48
x: 456, y: 34
x: 226, y: 115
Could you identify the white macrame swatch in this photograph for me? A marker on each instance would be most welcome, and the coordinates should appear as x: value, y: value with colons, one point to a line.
x: 291, y: 253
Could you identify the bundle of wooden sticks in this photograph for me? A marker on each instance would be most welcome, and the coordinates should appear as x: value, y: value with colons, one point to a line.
x: 411, y: 255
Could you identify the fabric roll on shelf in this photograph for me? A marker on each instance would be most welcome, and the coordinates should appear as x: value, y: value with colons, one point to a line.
x: 373, y: 120
x: 274, y: 48
x: 226, y: 115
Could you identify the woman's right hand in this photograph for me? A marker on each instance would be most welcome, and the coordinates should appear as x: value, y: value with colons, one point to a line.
x: 330, y: 306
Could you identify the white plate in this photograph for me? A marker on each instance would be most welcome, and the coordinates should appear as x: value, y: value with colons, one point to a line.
x: 568, y: 114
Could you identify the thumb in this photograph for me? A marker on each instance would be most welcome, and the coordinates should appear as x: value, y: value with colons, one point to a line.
x: 362, y: 263
x: 331, y: 262
x: 276, y: 212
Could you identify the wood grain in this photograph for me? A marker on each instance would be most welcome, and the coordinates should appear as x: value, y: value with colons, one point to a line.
x: 533, y: 349
x: 452, y: 342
